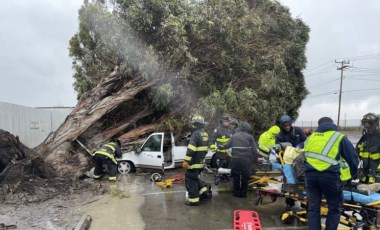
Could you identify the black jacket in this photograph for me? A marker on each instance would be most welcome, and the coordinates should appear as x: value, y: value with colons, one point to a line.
x: 243, y: 145
x: 220, y: 136
x: 295, y: 136
x: 197, y: 147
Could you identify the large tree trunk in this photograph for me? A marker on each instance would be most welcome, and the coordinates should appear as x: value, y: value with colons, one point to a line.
x: 112, y: 109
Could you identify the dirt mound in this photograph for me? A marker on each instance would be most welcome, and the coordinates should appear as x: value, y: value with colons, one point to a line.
x: 21, y: 178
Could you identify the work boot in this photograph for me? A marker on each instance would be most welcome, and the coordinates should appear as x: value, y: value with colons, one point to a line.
x: 191, y: 203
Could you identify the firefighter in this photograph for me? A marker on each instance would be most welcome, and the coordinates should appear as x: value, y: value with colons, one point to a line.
x: 244, y: 155
x: 368, y: 147
x: 194, y: 162
x: 325, y: 152
x: 105, y: 155
x: 290, y: 133
x: 221, y: 135
x: 267, y: 141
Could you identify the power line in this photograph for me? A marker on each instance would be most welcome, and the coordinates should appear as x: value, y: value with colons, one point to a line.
x: 357, y: 90
x: 336, y: 92
x: 323, y: 94
x: 321, y: 71
x: 316, y: 68
x: 358, y: 78
x: 324, y: 83
x: 363, y: 57
x: 363, y: 75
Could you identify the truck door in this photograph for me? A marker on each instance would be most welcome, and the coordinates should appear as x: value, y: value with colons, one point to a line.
x: 151, y: 155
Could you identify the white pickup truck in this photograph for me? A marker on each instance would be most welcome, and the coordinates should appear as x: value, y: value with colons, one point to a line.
x: 159, y: 151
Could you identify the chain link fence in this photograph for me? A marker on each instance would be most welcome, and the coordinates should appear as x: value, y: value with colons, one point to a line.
x: 346, y: 124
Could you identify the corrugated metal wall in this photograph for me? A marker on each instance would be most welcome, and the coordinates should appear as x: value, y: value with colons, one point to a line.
x: 32, y: 125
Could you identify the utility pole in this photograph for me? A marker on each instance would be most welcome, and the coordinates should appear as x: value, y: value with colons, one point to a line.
x: 344, y: 65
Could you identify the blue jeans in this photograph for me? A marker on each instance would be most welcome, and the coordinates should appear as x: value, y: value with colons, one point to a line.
x: 329, y: 186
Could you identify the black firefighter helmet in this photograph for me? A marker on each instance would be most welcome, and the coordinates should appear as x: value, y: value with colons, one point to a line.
x: 370, y: 119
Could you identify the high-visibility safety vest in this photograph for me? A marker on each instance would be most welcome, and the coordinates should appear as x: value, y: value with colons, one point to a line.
x: 345, y: 173
x: 321, y: 149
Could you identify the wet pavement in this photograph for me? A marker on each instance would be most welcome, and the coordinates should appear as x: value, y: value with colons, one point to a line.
x: 165, y: 208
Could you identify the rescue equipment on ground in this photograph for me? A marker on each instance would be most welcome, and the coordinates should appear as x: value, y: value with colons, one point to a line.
x: 246, y: 219
x: 168, y: 183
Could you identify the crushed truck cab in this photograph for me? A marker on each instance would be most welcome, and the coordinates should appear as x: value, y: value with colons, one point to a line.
x: 159, y: 151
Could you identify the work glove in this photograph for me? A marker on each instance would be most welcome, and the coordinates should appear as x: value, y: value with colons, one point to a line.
x: 277, y: 147
x: 185, y: 165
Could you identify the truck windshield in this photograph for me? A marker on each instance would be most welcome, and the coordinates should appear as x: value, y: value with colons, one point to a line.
x: 153, y: 144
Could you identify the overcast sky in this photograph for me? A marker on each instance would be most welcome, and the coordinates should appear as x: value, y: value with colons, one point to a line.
x: 35, y: 67
x: 340, y: 30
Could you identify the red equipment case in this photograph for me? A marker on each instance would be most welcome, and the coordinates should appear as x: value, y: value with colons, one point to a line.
x: 246, y: 220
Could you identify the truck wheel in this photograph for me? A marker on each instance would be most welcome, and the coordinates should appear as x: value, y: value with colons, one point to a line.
x: 125, y: 167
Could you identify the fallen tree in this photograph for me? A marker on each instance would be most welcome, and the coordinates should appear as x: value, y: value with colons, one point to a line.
x: 112, y: 107
x: 171, y: 60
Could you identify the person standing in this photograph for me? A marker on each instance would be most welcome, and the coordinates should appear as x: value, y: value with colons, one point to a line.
x: 324, y: 150
x: 290, y: 133
x: 368, y: 147
x: 194, y: 162
x: 105, y: 155
x: 221, y: 135
x: 244, y: 155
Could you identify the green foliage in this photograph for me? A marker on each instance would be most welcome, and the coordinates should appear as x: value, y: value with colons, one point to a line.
x: 243, y: 57
x: 162, y: 96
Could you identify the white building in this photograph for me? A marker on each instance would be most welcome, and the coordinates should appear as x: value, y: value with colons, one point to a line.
x: 31, y: 125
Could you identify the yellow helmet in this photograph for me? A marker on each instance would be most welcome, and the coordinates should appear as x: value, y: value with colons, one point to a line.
x: 198, y: 119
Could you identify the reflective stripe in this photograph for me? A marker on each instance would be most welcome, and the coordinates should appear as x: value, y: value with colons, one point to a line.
x: 330, y: 143
x: 101, y: 152
x: 222, y: 139
x: 197, y: 149
x: 110, y: 146
x: 202, y: 190
x: 194, y: 200
x: 321, y: 157
x: 343, y: 164
x: 202, y: 148
x: 97, y: 176
x: 192, y: 147
x: 262, y: 153
x: 187, y: 158
x: 197, y: 166
x: 373, y: 156
x: 371, y: 180
x: 112, y: 178
x: 221, y: 150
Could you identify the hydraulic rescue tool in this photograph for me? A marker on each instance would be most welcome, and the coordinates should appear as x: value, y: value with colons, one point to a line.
x: 84, y: 147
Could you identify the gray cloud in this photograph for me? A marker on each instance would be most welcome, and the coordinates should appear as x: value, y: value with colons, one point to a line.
x: 343, y: 30
x: 35, y: 67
